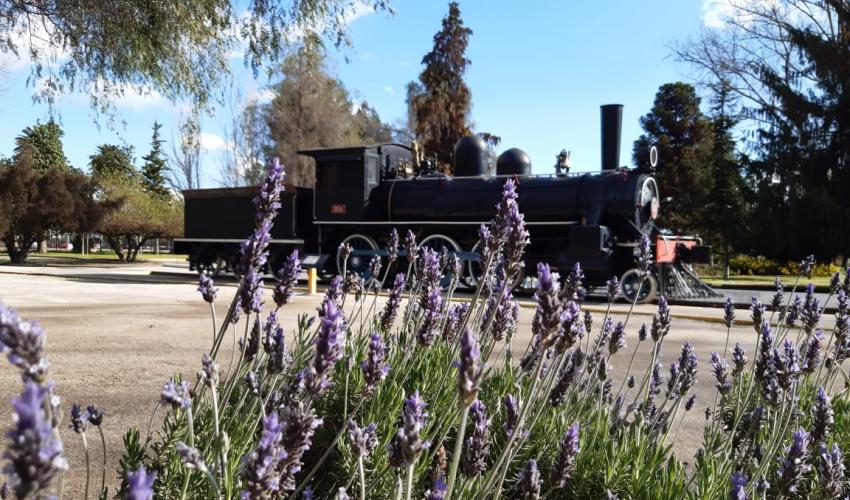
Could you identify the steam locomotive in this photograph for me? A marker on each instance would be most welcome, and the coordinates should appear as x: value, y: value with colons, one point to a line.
x: 361, y: 193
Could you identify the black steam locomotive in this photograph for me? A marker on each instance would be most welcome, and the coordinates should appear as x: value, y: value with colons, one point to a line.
x: 360, y: 193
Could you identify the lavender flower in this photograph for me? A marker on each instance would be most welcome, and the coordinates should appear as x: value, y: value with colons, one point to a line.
x: 812, y: 352
x: 786, y: 366
x: 4, y: 490
x: 431, y: 315
x: 407, y: 445
x: 393, y: 302
x: 588, y: 321
x: 79, y: 419
x: 328, y: 348
x: 24, y: 341
x: 374, y: 367
x: 739, y: 359
x: 630, y: 383
x: 438, y: 489
x: 454, y: 319
x: 688, y: 364
x: 252, y: 347
x: 661, y: 320
x: 207, y: 288
x: 410, y: 246
x: 565, y: 378
x: 834, y: 283
x: 140, y: 484
x: 278, y: 356
x: 333, y: 293
x: 763, y: 357
x: 793, y: 312
x: 644, y: 259
x: 191, y: 457
x: 251, y: 291
x: 822, y: 417
x: 618, y: 339
x: 511, y: 414
x: 259, y: 468
x: 529, y: 481
x: 739, y: 485
x: 642, y: 332
x: 505, y: 210
x: 469, y: 368
x: 811, y: 312
x: 392, y: 247
x: 502, y: 307
x: 515, y: 241
x: 729, y: 312
x: 602, y: 369
x: 756, y: 313
x: 95, y: 415
x: 547, y: 297
x: 34, y: 455
x: 253, y: 383
x: 720, y: 369
x: 795, y: 465
x: 176, y: 395
x: 830, y: 465
x: 477, y: 444
x: 612, y: 288
x: 565, y: 463
x: 573, y: 288
x: 362, y: 440
x: 806, y: 266
x: 344, y: 251
x: 374, y: 269
x: 287, y: 277
x: 299, y: 424
x: 689, y: 403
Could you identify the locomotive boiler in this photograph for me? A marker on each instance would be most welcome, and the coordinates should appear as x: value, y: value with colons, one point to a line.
x: 361, y: 193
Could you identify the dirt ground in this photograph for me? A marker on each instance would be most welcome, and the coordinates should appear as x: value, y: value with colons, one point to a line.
x: 115, y: 337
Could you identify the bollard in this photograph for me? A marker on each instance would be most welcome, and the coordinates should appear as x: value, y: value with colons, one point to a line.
x: 312, y: 279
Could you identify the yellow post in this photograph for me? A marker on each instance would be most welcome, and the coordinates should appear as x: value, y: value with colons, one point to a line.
x: 312, y: 279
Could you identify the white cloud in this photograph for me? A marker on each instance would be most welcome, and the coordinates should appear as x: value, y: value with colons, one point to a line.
x: 716, y: 12
x: 389, y: 90
x: 26, y: 41
x: 137, y: 99
x: 261, y: 95
x: 212, y: 142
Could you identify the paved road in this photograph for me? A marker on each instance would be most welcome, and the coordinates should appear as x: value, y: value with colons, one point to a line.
x: 117, y: 333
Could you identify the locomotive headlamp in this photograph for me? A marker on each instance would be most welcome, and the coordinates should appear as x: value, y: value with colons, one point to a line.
x: 563, y: 162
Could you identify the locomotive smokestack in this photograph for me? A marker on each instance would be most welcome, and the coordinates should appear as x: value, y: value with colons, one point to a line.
x: 612, y: 122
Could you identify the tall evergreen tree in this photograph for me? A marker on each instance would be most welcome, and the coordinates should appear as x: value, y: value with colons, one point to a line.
x: 42, y: 143
x: 442, y: 109
x: 155, y: 166
x: 113, y: 161
x: 683, y: 135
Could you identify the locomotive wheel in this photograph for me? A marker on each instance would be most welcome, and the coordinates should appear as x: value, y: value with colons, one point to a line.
x: 212, y: 268
x: 358, y: 264
x: 439, y: 242
x: 474, y: 271
x: 631, y: 286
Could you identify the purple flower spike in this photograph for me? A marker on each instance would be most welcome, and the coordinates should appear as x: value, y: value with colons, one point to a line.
x: 661, y: 320
x: 477, y: 444
x: 795, y: 464
x: 830, y: 465
x: 207, y: 288
x: 34, y: 455
x: 95, y: 415
x: 438, y: 489
x: 140, y: 485
x: 259, y: 468
x: 511, y: 414
x: 739, y: 486
x: 287, y: 277
x: 823, y: 417
x: 392, y: 247
x: 393, y: 302
x: 721, y: 370
x: 776, y: 301
x: 806, y: 266
x: 407, y: 445
x: 757, y: 313
x: 454, y: 319
x: 299, y: 424
x: 644, y: 260
x: 410, y: 246
x: 565, y: 463
x: 469, y: 368
x: 431, y: 315
x: 617, y: 340
x: 729, y: 312
x: 529, y: 481
x: 739, y: 359
x: 79, y: 419
x: 548, y: 302
x: 328, y: 350
x: 362, y: 440
x: 191, y: 457
x: 24, y: 341
x: 689, y: 404
x: 176, y: 395
x: 375, y: 369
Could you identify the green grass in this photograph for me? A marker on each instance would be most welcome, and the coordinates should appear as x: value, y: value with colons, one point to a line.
x: 105, y: 255
x: 759, y: 280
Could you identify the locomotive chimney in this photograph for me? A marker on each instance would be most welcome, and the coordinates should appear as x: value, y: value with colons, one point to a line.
x: 612, y: 122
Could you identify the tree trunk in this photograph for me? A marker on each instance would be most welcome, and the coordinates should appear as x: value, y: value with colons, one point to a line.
x: 42, y: 246
x: 726, y: 265
x: 117, y: 247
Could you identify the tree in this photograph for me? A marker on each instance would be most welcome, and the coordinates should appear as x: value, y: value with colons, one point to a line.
x: 404, y: 131
x: 34, y: 201
x: 368, y: 127
x: 187, y: 156
x: 178, y: 48
x: 113, y: 160
x: 442, y: 110
x: 683, y: 136
x: 41, y: 144
x: 246, y: 134
x: 140, y: 216
x: 155, y: 167
x: 787, y: 62
x: 312, y: 109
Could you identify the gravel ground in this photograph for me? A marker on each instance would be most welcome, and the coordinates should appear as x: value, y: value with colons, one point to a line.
x: 115, y: 337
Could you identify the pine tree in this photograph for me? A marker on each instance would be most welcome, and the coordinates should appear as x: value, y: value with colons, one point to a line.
x: 155, y: 167
x: 442, y: 109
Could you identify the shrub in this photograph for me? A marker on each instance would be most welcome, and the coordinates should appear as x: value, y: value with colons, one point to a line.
x: 395, y: 399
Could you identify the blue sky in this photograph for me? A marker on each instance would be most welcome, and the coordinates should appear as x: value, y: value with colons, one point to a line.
x: 539, y: 72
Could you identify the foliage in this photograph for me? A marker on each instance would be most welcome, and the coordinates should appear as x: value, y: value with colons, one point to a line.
x: 42, y: 144
x: 312, y: 109
x: 179, y: 49
x: 186, y: 153
x: 786, y: 61
x: 442, y: 108
x: 760, y: 265
x: 113, y: 161
x: 296, y: 415
x: 683, y: 136
x: 35, y: 201
x: 155, y: 167
x: 247, y: 135
x: 140, y: 216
